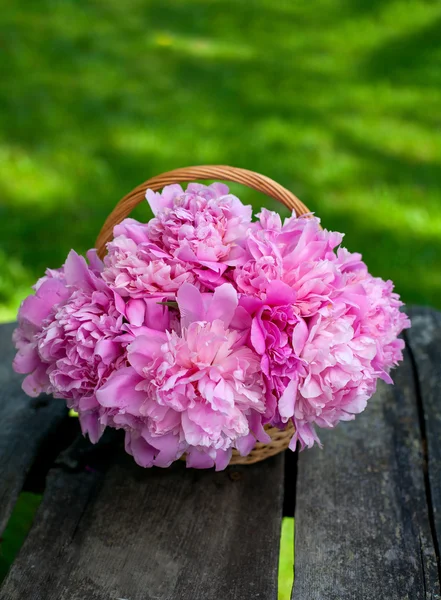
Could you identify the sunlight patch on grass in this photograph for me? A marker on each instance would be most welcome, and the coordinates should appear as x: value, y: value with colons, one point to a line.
x: 28, y: 179
x: 405, y: 139
x: 204, y: 47
x: 393, y: 214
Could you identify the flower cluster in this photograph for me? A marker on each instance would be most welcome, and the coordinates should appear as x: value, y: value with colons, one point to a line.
x: 201, y: 327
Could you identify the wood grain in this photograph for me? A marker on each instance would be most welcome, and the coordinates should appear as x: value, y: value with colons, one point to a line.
x: 153, y: 534
x: 362, y: 516
x: 24, y: 425
x: 424, y: 339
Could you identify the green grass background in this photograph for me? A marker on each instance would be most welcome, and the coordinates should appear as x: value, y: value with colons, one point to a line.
x: 339, y: 100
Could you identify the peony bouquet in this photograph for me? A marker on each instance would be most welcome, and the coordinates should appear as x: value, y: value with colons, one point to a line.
x: 202, y: 328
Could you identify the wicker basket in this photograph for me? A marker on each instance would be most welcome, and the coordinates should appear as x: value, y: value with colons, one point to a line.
x: 279, y: 438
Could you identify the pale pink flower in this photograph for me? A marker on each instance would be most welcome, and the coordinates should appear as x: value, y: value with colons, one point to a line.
x: 204, y: 226
x: 297, y: 253
x: 344, y: 349
x: 326, y: 330
x: 135, y: 267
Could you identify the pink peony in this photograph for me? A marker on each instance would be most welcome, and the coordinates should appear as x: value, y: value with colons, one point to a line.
x: 201, y: 327
x: 298, y: 253
x: 275, y: 329
x: 204, y: 226
x: 50, y: 292
x: 79, y: 333
x: 199, y: 392
x: 325, y: 328
x: 79, y: 343
x: 344, y: 349
x: 135, y: 267
x: 86, y: 340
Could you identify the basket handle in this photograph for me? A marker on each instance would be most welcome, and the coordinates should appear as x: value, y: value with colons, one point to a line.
x: 258, y: 182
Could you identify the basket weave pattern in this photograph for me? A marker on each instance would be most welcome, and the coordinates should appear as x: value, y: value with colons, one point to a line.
x: 279, y: 438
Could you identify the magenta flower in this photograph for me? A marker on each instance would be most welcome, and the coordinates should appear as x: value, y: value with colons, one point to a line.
x: 272, y: 336
x: 204, y: 226
x: 198, y: 392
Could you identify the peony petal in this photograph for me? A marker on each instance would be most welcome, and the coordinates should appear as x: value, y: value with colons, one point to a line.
x: 119, y: 391
x: 167, y: 445
x: 135, y: 311
x: 287, y: 400
x: 280, y: 293
x: 245, y: 444
x: 142, y: 452
x: 310, y: 388
x: 157, y: 316
x: 107, y: 350
x: 78, y: 274
x: 91, y: 426
x: 95, y: 262
x: 190, y: 304
x: 144, y: 348
x: 26, y: 360
x: 34, y: 310
x: 256, y: 426
x: 258, y: 336
x: 220, y: 189
x: 299, y: 336
x: 305, y: 434
x: 37, y: 382
x: 155, y: 201
x: 196, y: 459
x: 223, y: 304
x: 223, y: 458
x: 75, y: 269
x: 132, y: 229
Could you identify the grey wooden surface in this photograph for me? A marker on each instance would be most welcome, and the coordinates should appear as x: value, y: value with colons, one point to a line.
x: 364, y: 506
x: 368, y: 506
x: 151, y: 534
x: 24, y: 425
x: 425, y: 345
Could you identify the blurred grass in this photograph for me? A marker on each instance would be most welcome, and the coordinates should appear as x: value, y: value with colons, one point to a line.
x: 339, y: 100
x: 286, y: 562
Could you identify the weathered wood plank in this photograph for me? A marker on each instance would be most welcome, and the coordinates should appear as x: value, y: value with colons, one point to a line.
x: 424, y: 339
x: 362, y: 518
x: 24, y: 425
x: 153, y: 534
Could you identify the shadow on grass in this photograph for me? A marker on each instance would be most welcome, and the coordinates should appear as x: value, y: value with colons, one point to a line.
x: 412, y: 57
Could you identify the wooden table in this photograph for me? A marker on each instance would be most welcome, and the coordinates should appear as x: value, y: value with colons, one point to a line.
x: 367, y: 514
